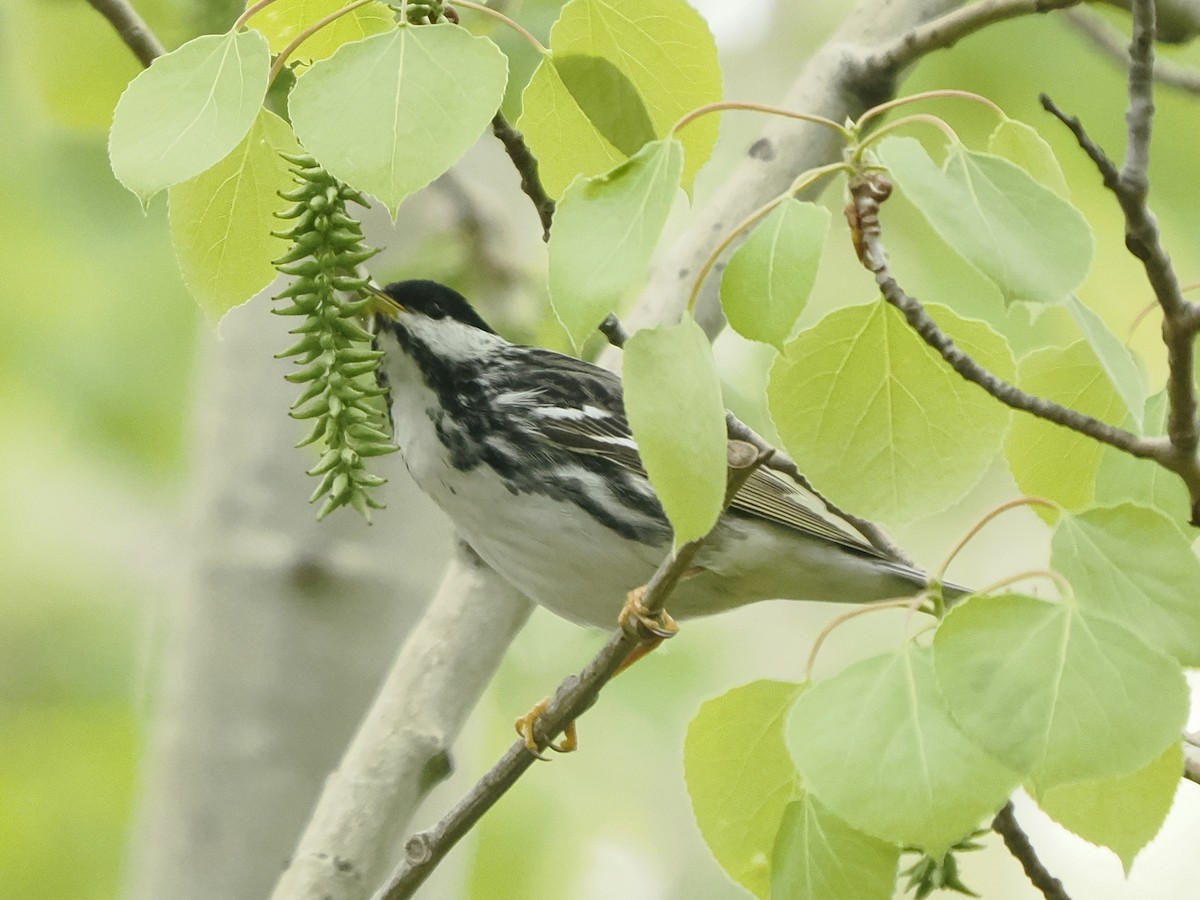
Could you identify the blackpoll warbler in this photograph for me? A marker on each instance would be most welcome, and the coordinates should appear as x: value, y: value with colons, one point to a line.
x: 529, y: 453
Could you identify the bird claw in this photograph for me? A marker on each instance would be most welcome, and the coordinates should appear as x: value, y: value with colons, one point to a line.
x: 524, y: 725
x: 638, y: 622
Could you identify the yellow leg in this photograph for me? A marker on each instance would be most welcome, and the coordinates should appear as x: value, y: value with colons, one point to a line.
x: 524, y: 726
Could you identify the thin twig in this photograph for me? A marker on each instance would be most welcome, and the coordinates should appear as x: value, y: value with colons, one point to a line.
x: 1130, y: 185
x: 874, y: 257
x: 575, y: 695
x: 131, y: 28
x: 1191, y: 757
x: 1005, y: 824
x: 780, y: 462
x: 527, y: 166
x: 947, y: 30
x: 1112, y: 43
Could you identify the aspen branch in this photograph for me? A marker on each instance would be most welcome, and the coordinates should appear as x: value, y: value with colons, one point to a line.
x: 1005, y: 824
x: 131, y: 28
x: 574, y: 696
x: 1130, y: 185
x: 1112, y: 44
x: 526, y: 165
x: 946, y: 31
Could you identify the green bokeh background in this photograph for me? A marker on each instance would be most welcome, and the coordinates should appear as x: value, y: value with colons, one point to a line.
x: 96, y: 377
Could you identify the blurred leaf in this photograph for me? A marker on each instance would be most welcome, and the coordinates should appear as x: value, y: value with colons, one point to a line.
x: 1137, y: 567
x: 767, y: 281
x: 284, y: 20
x: 1033, y: 244
x: 1021, y: 144
x: 221, y: 220
x: 1123, y: 813
x: 876, y: 417
x: 605, y: 230
x: 740, y: 776
x: 667, y: 57
x: 188, y: 110
x: 1123, y: 477
x: 1048, y: 460
x: 673, y: 403
x: 1056, y: 692
x: 877, y: 746
x: 389, y: 114
x: 817, y: 856
x: 1116, y: 358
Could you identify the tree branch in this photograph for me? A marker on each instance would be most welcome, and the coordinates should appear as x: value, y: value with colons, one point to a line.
x: 402, y: 749
x: 946, y: 31
x: 1005, y: 824
x: 132, y: 29
x: 575, y: 695
x: 1131, y: 185
x: 527, y: 166
x: 865, y: 200
x: 1112, y: 43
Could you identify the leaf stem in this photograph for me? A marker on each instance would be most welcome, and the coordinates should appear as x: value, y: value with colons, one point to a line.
x: 922, y: 118
x: 758, y: 107
x: 805, y: 180
x: 988, y: 517
x: 249, y: 13
x: 501, y: 17
x: 282, y: 58
x: 910, y: 603
x: 1064, y: 586
x: 928, y: 95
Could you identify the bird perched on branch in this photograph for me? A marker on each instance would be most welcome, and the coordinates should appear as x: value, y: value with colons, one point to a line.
x: 530, y: 455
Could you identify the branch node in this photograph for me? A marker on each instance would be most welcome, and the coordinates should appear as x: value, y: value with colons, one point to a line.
x: 418, y: 849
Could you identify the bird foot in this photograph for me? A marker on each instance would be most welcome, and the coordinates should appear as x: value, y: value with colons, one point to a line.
x: 524, y: 726
x: 638, y: 622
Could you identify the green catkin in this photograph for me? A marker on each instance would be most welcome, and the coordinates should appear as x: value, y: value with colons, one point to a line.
x: 334, y: 350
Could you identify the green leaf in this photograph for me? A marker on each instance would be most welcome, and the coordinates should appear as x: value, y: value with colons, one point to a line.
x: 769, y: 277
x: 667, y: 58
x: 1033, y: 244
x: 604, y: 232
x: 390, y: 113
x: 1048, y: 460
x: 817, y: 856
x: 1056, y: 692
x: 878, y: 420
x: 1124, y: 813
x: 221, y: 220
x: 876, y: 745
x: 1137, y: 567
x: 188, y: 110
x: 673, y: 403
x: 1114, y: 357
x: 740, y: 776
x: 1021, y: 144
x: 1123, y: 477
x: 284, y: 20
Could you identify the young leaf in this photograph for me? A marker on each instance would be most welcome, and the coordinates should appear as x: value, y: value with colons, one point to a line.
x: 876, y: 746
x: 673, y: 403
x: 604, y: 231
x: 188, y: 110
x: 1123, y: 813
x: 817, y: 856
x: 876, y: 417
x: 1056, y: 692
x: 284, y: 20
x: 1135, y: 566
x: 1048, y: 460
x: 740, y: 776
x: 1021, y: 144
x: 1122, y: 477
x: 389, y: 114
x: 665, y: 53
x: 1115, y: 358
x: 221, y: 220
x: 1033, y: 244
x: 768, y: 279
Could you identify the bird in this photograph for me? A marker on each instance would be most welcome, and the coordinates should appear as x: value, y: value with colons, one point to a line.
x: 529, y: 453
